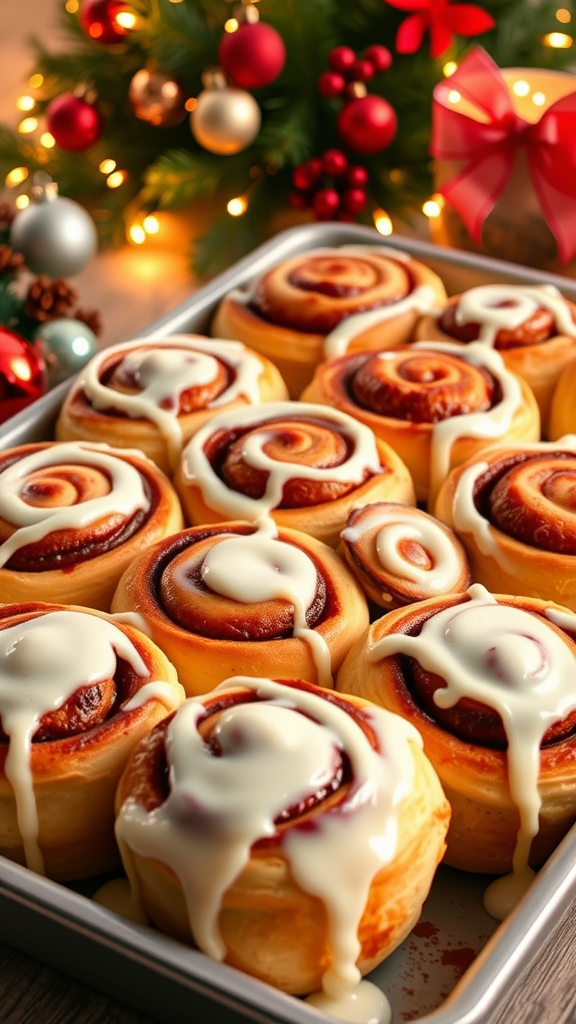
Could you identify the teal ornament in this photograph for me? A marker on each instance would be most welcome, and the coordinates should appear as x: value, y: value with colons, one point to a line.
x: 56, y: 236
x: 65, y: 345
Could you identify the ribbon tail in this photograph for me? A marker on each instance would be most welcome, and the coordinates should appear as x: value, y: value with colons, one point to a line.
x: 559, y: 211
x: 475, y: 190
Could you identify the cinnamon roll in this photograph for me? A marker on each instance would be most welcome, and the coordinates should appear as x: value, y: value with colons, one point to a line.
x: 514, y: 509
x: 77, y: 692
x: 315, y: 305
x: 434, y: 403
x: 563, y: 404
x: 153, y: 393
x: 240, y: 816
x: 73, y: 516
x: 532, y: 326
x: 301, y: 463
x: 488, y: 681
x: 244, y: 598
x: 400, y: 555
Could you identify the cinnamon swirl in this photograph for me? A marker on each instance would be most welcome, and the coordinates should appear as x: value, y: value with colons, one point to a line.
x: 154, y: 393
x: 434, y: 403
x: 243, y: 847
x: 77, y: 692
x: 243, y: 598
x: 532, y: 326
x: 73, y: 516
x: 313, y: 306
x: 488, y: 680
x: 301, y: 463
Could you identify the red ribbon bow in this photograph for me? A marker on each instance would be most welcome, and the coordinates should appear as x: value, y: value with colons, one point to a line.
x: 489, y: 149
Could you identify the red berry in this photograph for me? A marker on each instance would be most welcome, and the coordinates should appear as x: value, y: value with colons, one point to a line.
x: 357, y: 176
x: 299, y: 200
x: 361, y: 70
x: 354, y: 200
x: 341, y: 59
x: 379, y: 56
x: 334, y: 162
x: 306, y: 176
x: 331, y: 84
x: 326, y: 203
x: 348, y: 218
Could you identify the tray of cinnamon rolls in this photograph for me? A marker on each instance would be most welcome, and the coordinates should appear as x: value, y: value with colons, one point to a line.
x: 288, y: 642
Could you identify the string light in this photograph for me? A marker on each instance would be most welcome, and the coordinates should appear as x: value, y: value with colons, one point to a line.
x: 21, y: 202
x: 382, y: 222
x: 25, y: 103
x: 433, y: 207
x: 454, y: 96
x: 72, y: 6
x: 36, y: 81
x: 151, y: 224
x: 116, y: 179
x: 137, y: 234
x: 107, y: 166
x: 47, y: 140
x: 521, y: 88
x: 191, y: 104
x: 28, y: 125
x: 231, y: 25
x: 563, y: 15
x: 558, y: 40
x: 449, y: 68
x: 539, y: 98
x: 237, y: 206
x: 16, y: 176
x: 126, y: 20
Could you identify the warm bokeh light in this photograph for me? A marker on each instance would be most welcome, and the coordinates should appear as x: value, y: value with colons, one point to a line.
x: 28, y: 125
x: 47, y: 140
x: 21, y: 202
x: 521, y: 87
x: 231, y: 25
x: 539, y: 98
x: 237, y: 206
x: 25, y: 103
x: 449, y: 68
x: 16, y: 176
x: 151, y: 224
x: 35, y: 81
x: 563, y: 15
x: 21, y: 368
x: 433, y: 206
x: 107, y: 166
x: 116, y: 179
x: 558, y: 40
x: 191, y: 104
x: 454, y: 96
x: 382, y: 222
x: 72, y: 6
x: 137, y: 234
x: 126, y: 20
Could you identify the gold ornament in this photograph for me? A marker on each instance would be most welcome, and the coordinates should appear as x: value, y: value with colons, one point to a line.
x: 155, y: 98
x: 225, y: 120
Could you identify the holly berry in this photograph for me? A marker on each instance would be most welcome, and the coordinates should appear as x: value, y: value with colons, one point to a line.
x: 354, y: 200
x: 357, y: 176
x: 326, y: 203
x: 334, y: 162
x: 379, y: 56
x: 362, y: 70
x: 253, y: 55
x: 307, y: 176
x: 341, y: 59
x: 331, y: 84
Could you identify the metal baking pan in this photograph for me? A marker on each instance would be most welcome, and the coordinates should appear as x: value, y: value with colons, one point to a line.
x: 457, y: 962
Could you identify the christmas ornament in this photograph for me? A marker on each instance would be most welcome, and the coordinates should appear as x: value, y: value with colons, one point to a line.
x: 157, y: 99
x: 367, y: 124
x: 492, y: 147
x: 23, y: 376
x: 99, y: 19
x: 442, y: 20
x: 55, y: 235
x: 75, y: 123
x: 254, y: 54
x: 225, y: 120
x: 65, y: 346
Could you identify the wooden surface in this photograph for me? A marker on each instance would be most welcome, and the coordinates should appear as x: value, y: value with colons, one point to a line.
x: 31, y: 993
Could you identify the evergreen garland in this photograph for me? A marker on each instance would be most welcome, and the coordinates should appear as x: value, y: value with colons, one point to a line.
x: 168, y: 170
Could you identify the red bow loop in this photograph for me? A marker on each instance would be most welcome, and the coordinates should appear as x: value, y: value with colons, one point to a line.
x: 488, y: 142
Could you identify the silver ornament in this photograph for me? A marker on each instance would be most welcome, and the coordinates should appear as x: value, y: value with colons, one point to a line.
x: 56, y: 236
x: 66, y: 345
x: 225, y: 120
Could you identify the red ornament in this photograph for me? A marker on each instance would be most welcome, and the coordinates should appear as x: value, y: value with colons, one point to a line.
x: 75, y: 124
x: 442, y: 20
x: 367, y: 124
x: 23, y: 376
x: 253, y: 55
x: 98, y: 18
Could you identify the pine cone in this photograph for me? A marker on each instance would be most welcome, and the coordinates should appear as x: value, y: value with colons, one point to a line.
x: 91, y: 318
x: 48, y: 299
x: 10, y: 262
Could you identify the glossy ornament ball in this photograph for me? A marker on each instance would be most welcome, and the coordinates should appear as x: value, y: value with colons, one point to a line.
x: 157, y: 99
x: 367, y: 124
x: 253, y: 55
x: 225, y: 121
x: 75, y: 124
x: 55, y: 235
x: 99, y: 20
x: 65, y: 345
x: 23, y: 376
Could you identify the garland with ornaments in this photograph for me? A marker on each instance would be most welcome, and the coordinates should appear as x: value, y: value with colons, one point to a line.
x: 253, y: 115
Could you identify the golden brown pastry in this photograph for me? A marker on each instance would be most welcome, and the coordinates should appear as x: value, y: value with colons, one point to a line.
x: 532, y: 326
x: 276, y: 789
x: 434, y: 403
x: 314, y: 305
x: 488, y: 680
x: 514, y: 509
x: 77, y: 692
x: 301, y: 463
x: 563, y: 404
x: 400, y: 555
x: 73, y: 516
x: 154, y: 393
x: 236, y: 598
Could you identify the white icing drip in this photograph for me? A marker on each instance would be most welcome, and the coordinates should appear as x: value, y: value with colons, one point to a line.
x: 399, y: 526
x: 33, y: 523
x: 43, y: 662
x: 164, y: 368
x: 261, y: 567
x: 509, y: 660
x: 367, y: 1004
x: 484, y: 305
x: 491, y: 424
x: 421, y: 300
x: 275, y: 753
x: 196, y: 466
